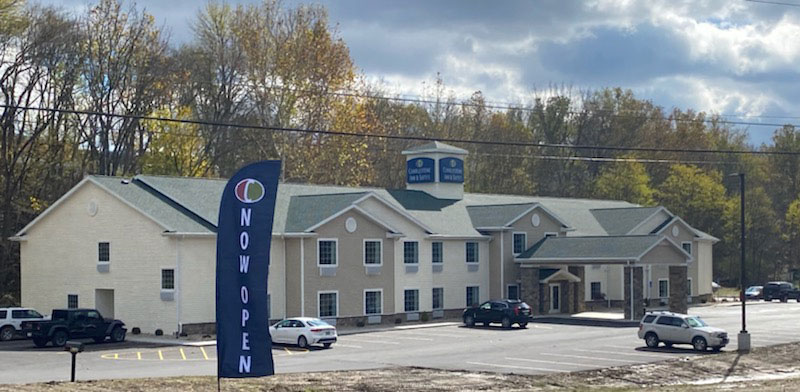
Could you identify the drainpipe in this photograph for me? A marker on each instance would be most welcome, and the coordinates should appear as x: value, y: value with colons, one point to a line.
x: 302, y: 277
x: 631, y: 280
x: 502, y: 266
x: 178, y: 291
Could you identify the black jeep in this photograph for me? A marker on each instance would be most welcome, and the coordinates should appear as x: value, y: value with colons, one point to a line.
x: 780, y: 290
x: 66, y: 324
x: 503, y: 311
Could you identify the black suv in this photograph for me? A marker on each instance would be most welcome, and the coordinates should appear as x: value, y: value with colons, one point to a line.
x: 780, y: 290
x: 504, y: 311
x: 74, y: 324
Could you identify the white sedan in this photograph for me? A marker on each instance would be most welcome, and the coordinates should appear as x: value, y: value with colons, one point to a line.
x: 303, y: 331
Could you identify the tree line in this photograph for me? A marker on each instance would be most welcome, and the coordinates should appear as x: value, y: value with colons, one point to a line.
x: 271, y: 65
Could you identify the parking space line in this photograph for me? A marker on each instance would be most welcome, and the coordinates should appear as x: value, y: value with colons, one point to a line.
x: 540, y: 326
x: 592, y: 358
x: 116, y: 356
x: 287, y: 351
x: 160, y: 355
x: 183, y: 354
x: 517, y: 367
x: 413, y: 338
x: 347, y: 345
x: 373, y: 341
x: 202, y: 350
x: 542, y: 361
x: 139, y: 355
x: 655, y: 355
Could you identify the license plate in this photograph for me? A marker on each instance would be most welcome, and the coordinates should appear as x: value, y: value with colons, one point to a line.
x: 29, y: 334
x: 329, y: 333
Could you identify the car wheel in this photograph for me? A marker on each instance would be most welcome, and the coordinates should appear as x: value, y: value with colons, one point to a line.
x: 302, y: 342
x: 7, y: 333
x: 40, y: 342
x: 117, y: 334
x: 506, y: 322
x: 326, y: 345
x: 699, y: 343
x: 59, y: 338
x: 469, y: 321
x: 523, y: 325
x: 651, y: 340
x: 784, y: 299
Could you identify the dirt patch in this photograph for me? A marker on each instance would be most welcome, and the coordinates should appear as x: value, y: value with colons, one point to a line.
x: 768, y: 368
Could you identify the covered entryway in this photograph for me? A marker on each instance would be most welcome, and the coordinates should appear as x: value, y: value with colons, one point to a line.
x: 560, y: 261
x: 104, y: 302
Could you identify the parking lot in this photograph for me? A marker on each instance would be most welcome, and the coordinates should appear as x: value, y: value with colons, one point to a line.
x: 541, y: 348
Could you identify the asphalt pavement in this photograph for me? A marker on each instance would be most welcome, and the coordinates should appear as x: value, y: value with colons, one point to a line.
x: 546, y: 346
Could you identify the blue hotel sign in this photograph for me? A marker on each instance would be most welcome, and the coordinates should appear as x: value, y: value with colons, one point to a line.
x: 451, y: 170
x: 420, y: 170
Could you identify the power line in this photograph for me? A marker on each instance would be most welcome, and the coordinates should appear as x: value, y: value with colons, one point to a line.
x: 774, y: 3
x: 538, y: 145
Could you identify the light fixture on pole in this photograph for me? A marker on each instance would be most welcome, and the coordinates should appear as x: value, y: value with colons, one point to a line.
x: 743, y: 338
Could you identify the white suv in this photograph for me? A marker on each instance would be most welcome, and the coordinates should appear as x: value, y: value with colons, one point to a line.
x: 11, y: 320
x: 675, y: 328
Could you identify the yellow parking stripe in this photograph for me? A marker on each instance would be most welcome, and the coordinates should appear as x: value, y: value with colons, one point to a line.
x: 139, y: 355
x: 183, y: 354
x: 160, y: 355
x: 204, y: 353
x: 287, y: 350
x: 116, y: 356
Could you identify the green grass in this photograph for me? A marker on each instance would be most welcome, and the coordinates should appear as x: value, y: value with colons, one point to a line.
x: 727, y: 292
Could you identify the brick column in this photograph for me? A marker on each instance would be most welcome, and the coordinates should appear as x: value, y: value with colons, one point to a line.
x: 638, y: 299
x: 678, y: 289
x: 529, y: 288
x: 566, y: 297
x: 579, y: 302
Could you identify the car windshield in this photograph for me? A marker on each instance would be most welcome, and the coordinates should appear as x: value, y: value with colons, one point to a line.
x: 696, y: 322
x: 753, y: 289
x: 317, y: 323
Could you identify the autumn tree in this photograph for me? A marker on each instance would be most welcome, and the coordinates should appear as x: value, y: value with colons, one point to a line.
x: 625, y: 180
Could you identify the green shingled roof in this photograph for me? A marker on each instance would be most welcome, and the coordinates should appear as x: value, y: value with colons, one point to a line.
x: 576, y: 248
x: 619, y: 221
x: 306, y: 211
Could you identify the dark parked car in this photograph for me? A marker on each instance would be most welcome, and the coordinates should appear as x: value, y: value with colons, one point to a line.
x: 67, y: 324
x: 504, y: 311
x: 754, y: 292
x: 780, y: 290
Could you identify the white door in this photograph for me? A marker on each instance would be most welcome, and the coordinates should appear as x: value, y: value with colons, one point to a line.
x: 555, y: 298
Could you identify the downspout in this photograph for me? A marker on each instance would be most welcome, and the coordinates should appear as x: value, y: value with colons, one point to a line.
x: 502, y: 266
x: 178, y: 285
x: 302, y: 277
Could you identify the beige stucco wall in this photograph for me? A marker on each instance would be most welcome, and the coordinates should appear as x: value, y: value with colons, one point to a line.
x: 533, y: 233
x: 455, y: 276
x: 651, y: 223
x: 59, y: 257
x: 351, y: 278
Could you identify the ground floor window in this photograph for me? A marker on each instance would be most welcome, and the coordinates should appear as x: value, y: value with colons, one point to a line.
x: 72, y: 301
x: 438, y: 298
x: 328, y: 304
x: 663, y: 288
x: 596, y: 290
x: 411, y: 300
x: 689, y: 287
x: 473, y: 296
x: 513, y: 291
x: 372, y: 302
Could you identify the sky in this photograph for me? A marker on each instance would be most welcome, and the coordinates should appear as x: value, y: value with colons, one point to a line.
x: 736, y: 58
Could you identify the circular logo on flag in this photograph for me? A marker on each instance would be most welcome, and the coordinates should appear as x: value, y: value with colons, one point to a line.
x: 249, y: 191
x: 452, y: 163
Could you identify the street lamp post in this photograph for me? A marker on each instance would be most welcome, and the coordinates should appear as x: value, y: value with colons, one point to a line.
x: 743, y: 339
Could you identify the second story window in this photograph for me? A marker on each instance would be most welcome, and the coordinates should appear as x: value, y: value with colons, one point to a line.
x: 326, y: 252
x: 372, y: 252
x: 437, y: 252
x: 411, y: 252
x: 103, y: 252
x: 472, y: 252
x: 520, y: 240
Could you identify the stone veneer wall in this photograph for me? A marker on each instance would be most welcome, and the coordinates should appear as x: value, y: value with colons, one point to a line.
x: 579, y: 305
x: 677, y: 288
x: 638, y: 300
x: 529, y: 288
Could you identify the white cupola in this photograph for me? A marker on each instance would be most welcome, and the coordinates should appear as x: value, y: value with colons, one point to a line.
x: 437, y: 169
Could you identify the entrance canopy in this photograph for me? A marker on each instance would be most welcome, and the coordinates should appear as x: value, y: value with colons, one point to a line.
x: 628, y: 250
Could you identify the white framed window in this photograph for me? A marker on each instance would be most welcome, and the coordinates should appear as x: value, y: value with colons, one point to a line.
x: 596, y: 290
x: 373, y: 249
x: 373, y: 302
x: 689, y: 287
x: 72, y: 301
x: 687, y: 246
x: 328, y: 303
x: 327, y: 252
x: 520, y: 242
x: 411, y: 300
x: 410, y: 252
x: 663, y: 288
x: 103, y: 252
x: 472, y: 252
x: 438, y: 298
x: 550, y: 234
x: 437, y: 252
x: 167, y: 279
x: 512, y: 291
x: 473, y: 295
